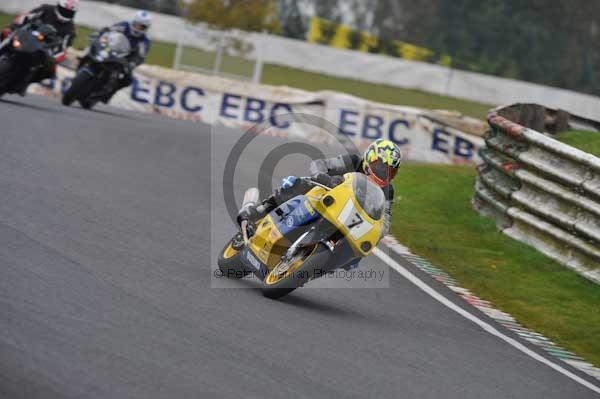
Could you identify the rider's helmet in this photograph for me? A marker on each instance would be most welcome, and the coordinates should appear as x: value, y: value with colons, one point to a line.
x: 381, y: 161
x: 66, y: 9
x: 141, y: 22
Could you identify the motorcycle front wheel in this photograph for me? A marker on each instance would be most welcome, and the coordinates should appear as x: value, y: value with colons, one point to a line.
x: 288, y: 275
x: 5, y: 75
x: 230, y: 263
x: 80, y: 86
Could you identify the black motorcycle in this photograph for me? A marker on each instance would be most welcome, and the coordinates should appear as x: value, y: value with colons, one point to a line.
x: 99, y: 70
x: 24, y: 55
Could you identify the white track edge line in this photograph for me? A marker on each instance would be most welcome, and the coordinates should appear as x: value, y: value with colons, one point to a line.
x: 485, y: 326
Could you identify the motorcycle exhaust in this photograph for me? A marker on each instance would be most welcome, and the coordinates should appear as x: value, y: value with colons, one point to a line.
x: 251, y: 197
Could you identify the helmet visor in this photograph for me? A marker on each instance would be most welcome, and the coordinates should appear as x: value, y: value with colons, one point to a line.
x: 383, y: 173
x: 140, y: 27
x: 66, y: 13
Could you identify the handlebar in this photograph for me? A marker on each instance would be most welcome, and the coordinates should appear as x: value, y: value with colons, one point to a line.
x: 316, y: 183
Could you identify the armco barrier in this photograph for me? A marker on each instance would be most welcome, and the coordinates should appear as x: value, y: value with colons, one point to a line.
x: 540, y: 191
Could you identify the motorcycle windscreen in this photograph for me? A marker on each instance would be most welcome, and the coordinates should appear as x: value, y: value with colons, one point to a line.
x: 118, y: 44
x: 369, y: 196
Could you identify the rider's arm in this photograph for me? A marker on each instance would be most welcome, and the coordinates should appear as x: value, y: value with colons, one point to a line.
x: 387, y: 214
x: 24, y: 18
x: 337, y: 166
x: 138, y: 56
x: 118, y: 27
x: 328, y: 171
x: 387, y: 218
x: 61, y: 54
x: 65, y: 42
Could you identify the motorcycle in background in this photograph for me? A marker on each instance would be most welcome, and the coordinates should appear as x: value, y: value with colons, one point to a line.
x: 99, y: 71
x: 24, y: 54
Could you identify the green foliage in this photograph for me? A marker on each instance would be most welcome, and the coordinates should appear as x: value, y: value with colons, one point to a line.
x: 247, y: 15
x: 292, y: 23
x: 434, y: 201
x: 279, y: 75
x: 551, y: 43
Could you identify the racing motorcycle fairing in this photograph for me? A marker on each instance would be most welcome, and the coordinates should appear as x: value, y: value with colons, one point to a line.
x: 346, y: 219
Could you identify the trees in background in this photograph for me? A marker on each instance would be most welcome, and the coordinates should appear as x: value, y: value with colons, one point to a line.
x: 248, y: 15
x: 292, y: 22
x: 554, y: 43
x: 163, y: 6
x: 551, y: 43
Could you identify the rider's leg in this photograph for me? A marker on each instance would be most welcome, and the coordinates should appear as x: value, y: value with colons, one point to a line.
x: 124, y: 81
x: 280, y: 196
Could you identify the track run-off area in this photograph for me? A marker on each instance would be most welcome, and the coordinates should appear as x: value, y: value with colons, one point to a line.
x: 110, y: 225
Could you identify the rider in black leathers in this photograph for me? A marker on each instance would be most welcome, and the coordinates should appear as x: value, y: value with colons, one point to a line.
x: 60, y: 16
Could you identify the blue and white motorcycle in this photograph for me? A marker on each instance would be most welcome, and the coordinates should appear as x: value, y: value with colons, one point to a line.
x: 99, y: 70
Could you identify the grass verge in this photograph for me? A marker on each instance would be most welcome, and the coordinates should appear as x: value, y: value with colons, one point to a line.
x: 585, y: 141
x: 163, y: 53
x: 434, y: 218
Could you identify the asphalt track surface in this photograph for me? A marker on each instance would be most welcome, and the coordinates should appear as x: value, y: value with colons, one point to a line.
x: 108, y: 234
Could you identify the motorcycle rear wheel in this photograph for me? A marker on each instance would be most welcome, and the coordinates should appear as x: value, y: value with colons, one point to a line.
x: 309, y: 264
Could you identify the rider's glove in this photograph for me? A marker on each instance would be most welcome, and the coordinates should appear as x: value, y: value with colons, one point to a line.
x: 5, y: 33
x: 248, y: 213
x: 290, y: 182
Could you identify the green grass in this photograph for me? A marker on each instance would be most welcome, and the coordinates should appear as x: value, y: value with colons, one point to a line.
x: 279, y: 75
x: 585, y: 141
x: 435, y: 219
x: 163, y: 53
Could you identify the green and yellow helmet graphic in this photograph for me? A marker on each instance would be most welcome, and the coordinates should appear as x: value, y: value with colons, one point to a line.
x: 384, y: 151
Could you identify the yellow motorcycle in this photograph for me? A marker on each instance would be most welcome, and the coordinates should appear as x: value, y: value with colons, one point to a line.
x: 308, y: 236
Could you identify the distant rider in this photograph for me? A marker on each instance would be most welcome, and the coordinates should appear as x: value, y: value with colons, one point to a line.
x: 60, y: 16
x: 135, y: 30
x: 380, y: 162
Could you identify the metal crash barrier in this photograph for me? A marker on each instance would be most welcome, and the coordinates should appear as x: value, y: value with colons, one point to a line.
x: 540, y: 191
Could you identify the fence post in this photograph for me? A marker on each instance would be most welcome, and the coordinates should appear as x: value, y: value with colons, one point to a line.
x: 178, y: 50
x: 219, y: 56
x: 448, y: 82
x: 258, y: 64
